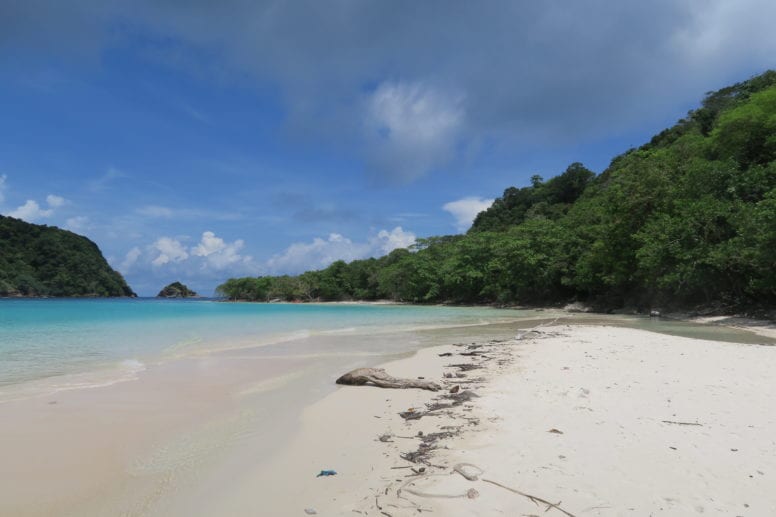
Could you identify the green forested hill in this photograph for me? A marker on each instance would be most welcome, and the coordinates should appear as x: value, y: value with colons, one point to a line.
x: 39, y: 260
x: 688, y: 219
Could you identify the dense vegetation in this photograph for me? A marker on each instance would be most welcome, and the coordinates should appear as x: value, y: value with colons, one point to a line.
x: 689, y: 219
x: 39, y: 260
x: 176, y: 290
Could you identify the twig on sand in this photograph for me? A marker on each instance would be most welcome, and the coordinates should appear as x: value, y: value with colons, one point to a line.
x: 681, y: 423
x: 534, y: 499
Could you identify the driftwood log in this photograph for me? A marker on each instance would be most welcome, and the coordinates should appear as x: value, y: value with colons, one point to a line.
x: 378, y: 377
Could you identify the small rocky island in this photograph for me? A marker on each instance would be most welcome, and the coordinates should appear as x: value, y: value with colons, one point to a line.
x: 176, y: 290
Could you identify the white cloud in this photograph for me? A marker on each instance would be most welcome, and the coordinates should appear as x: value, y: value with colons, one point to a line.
x: 219, y: 254
x: 413, y: 128
x: 170, y: 250
x: 170, y: 255
x: 77, y: 224
x: 130, y: 259
x: 31, y: 212
x: 466, y: 209
x: 208, y: 245
x: 387, y: 241
x: 55, y: 201
x: 320, y: 252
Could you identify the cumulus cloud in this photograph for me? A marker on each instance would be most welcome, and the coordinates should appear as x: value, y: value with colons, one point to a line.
x: 55, y: 201
x: 465, y: 210
x: 77, y: 224
x: 170, y: 255
x: 386, y: 241
x: 168, y: 250
x: 219, y: 254
x: 413, y: 128
x: 320, y: 252
x: 31, y: 211
x: 130, y: 259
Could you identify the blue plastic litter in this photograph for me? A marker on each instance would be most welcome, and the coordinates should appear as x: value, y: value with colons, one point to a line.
x: 327, y: 473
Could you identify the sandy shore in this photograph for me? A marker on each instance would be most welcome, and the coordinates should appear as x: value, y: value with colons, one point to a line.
x: 599, y: 420
x: 606, y: 420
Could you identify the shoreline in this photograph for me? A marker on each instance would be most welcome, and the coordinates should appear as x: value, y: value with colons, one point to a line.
x: 129, y: 368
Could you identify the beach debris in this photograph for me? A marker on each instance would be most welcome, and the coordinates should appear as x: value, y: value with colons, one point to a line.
x: 310, y: 511
x: 472, y: 493
x: 472, y: 354
x: 378, y: 377
x: 468, y: 470
x: 681, y: 423
x: 455, y: 389
x: 465, y: 367
x: 555, y: 431
x: 534, y: 499
x: 445, y: 354
x: 459, y: 397
x: 411, y: 414
x: 385, y: 438
x: 326, y: 473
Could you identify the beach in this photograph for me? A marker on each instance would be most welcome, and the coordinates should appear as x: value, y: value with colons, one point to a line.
x: 599, y: 419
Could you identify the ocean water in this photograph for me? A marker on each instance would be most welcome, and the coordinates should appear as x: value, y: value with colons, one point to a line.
x: 45, y: 338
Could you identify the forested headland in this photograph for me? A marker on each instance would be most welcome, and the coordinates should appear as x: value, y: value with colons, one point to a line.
x: 686, y: 220
x: 40, y: 260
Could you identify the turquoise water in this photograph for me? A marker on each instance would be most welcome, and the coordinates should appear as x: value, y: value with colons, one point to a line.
x: 53, y: 337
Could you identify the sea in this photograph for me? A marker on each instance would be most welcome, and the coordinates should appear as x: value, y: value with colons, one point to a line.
x: 72, y: 343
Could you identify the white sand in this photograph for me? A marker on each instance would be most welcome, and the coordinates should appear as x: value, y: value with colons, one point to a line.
x: 608, y: 390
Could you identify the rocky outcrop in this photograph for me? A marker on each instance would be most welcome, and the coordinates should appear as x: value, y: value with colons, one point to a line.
x: 176, y: 290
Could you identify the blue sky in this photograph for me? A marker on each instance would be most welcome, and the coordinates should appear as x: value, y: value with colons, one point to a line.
x: 196, y: 141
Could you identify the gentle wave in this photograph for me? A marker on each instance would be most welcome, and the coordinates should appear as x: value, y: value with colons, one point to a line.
x: 126, y: 370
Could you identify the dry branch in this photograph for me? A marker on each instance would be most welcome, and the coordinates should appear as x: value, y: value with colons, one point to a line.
x: 534, y: 499
x: 378, y: 377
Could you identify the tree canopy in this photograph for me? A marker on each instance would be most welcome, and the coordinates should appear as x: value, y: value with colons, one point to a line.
x: 39, y: 260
